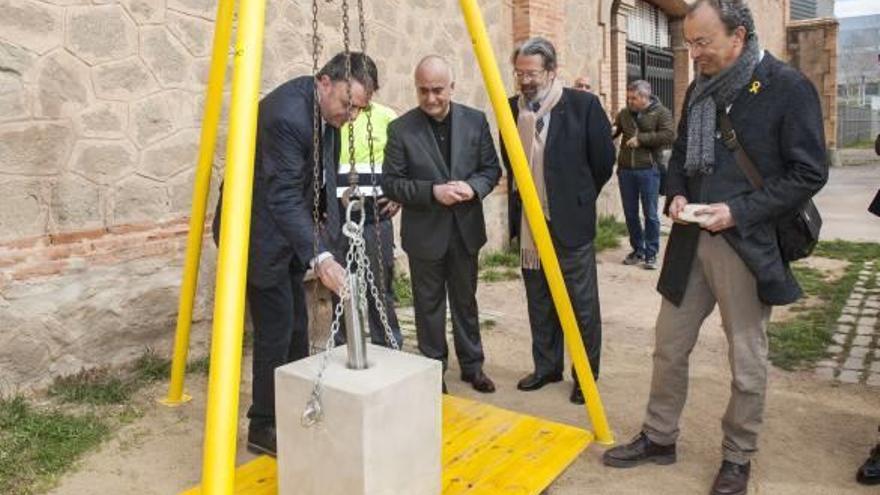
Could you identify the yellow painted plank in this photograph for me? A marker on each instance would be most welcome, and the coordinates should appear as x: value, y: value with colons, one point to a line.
x: 504, y: 452
x: 257, y: 477
x: 486, y: 450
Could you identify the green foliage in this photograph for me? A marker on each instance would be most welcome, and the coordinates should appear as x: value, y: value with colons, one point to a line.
x: 508, y: 258
x: 608, y: 233
x: 402, y: 286
x: 96, y: 387
x: 37, y: 446
x: 493, y: 275
x: 800, y: 341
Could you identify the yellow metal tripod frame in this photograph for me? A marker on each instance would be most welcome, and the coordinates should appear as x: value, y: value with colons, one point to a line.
x: 218, y: 470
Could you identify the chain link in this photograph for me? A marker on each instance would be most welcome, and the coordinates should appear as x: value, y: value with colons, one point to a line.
x: 357, y: 252
x: 316, y: 143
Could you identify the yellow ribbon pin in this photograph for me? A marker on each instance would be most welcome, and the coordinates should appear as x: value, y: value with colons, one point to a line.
x: 755, y: 87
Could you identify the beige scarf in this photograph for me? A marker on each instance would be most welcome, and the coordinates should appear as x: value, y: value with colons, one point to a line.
x: 533, y: 144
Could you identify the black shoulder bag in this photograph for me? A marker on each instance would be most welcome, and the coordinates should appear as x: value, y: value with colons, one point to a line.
x: 797, y: 231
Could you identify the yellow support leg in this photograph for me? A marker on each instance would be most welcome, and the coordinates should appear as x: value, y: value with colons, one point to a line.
x: 540, y: 232
x: 207, y: 143
x: 221, y: 422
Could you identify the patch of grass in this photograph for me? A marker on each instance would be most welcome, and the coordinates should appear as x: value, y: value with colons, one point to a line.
x: 493, y: 275
x: 488, y: 324
x: 200, y: 365
x: 849, y: 251
x: 151, y: 367
x: 802, y: 340
x: 37, y: 446
x: 402, y: 286
x: 508, y: 258
x: 97, y: 387
x: 608, y: 233
x: 866, y: 144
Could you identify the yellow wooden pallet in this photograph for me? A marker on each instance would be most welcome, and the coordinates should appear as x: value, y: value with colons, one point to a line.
x: 486, y: 450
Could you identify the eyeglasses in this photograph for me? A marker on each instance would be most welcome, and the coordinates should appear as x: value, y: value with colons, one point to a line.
x: 698, y: 43
x: 528, y: 75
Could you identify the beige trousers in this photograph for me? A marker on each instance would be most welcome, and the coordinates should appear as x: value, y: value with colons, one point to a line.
x: 718, y: 275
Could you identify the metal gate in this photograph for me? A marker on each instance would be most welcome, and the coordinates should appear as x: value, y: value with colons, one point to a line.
x: 655, y: 65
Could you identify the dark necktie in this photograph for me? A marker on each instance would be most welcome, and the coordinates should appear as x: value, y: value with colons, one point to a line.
x: 331, y: 203
x: 539, y: 122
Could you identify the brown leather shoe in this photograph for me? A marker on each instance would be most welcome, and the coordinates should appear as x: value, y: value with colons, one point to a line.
x: 640, y: 450
x: 732, y: 479
x: 480, y: 382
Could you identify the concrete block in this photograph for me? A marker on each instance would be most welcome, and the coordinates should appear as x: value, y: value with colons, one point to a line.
x: 874, y: 380
x: 381, y: 432
x: 825, y: 373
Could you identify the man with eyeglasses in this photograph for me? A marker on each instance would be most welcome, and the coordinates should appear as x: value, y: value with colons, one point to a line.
x: 723, y: 250
x: 282, y: 236
x: 567, y: 139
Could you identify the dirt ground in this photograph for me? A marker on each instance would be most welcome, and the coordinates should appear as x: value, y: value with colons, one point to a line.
x: 815, y: 433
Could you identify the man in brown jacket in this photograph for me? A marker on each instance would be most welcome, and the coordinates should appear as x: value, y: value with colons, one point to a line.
x: 647, y: 129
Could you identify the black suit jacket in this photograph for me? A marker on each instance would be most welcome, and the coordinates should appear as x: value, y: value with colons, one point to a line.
x: 779, y: 125
x: 414, y: 163
x: 578, y: 161
x: 282, y: 227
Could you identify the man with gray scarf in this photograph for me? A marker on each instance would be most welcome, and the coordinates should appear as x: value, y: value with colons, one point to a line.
x: 567, y: 139
x: 723, y: 248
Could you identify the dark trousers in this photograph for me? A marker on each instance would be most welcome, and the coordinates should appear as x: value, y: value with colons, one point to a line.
x: 641, y: 185
x: 579, y: 271
x: 383, y: 265
x: 281, y: 335
x: 454, y: 274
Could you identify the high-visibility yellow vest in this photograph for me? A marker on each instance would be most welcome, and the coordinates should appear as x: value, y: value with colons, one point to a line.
x: 380, y: 117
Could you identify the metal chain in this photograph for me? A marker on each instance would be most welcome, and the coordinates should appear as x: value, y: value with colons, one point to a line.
x: 357, y: 252
x: 316, y: 143
x: 314, y: 411
x: 362, y: 26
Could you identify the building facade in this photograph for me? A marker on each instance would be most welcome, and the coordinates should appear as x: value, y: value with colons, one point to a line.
x: 100, y: 109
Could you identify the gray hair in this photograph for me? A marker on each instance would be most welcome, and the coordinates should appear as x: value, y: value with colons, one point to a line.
x: 640, y: 86
x: 537, y: 45
x: 733, y: 14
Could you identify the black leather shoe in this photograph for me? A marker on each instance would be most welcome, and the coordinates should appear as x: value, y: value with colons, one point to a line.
x: 869, y: 473
x: 732, y: 479
x: 534, y: 381
x: 480, y: 382
x: 444, y: 387
x: 577, y: 395
x: 640, y: 450
x: 262, y: 441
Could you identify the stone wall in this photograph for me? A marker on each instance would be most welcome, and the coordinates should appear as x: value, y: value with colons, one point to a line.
x: 100, y: 108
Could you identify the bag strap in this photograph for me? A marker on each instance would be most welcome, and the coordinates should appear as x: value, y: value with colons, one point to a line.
x: 728, y: 135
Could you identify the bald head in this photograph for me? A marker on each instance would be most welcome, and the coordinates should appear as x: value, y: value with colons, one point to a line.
x: 435, y: 83
x: 434, y: 66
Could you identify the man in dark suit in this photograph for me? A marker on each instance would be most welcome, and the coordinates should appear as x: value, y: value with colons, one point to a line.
x: 283, y: 243
x: 726, y: 251
x: 567, y: 139
x: 440, y: 162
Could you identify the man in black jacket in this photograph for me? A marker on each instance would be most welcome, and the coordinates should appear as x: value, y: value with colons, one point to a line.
x: 282, y: 240
x: 567, y: 139
x: 440, y: 163
x: 730, y: 255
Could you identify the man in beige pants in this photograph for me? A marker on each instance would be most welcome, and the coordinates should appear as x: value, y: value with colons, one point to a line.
x: 725, y: 250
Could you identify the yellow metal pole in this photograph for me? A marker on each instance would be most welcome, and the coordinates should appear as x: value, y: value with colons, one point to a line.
x: 207, y: 143
x: 529, y: 195
x: 221, y: 422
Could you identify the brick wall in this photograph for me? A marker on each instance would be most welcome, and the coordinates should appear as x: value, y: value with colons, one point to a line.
x: 812, y: 49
